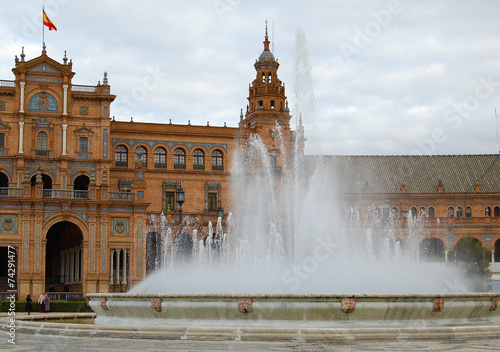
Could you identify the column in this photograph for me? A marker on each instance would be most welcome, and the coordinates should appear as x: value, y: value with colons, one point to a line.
x: 124, y: 263
x: 117, y: 280
x: 21, y: 137
x: 62, y: 267
x: 65, y: 99
x: 111, y: 263
x: 21, y: 107
x: 72, y: 266
x: 446, y: 256
x: 65, y: 128
x: 77, y: 265
x: 66, y: 267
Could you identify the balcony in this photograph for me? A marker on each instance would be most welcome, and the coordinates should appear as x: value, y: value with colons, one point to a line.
x: 199, y: 167
x: 10, y: 192
x: 217, y: 168
x: 179, y: 166
x: 65, y: 194
x: 121, y: 196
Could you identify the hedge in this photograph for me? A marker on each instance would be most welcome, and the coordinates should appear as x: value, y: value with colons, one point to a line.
x: 55, y: 306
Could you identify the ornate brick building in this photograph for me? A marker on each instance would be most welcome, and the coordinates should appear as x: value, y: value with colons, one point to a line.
x: 78, y: 189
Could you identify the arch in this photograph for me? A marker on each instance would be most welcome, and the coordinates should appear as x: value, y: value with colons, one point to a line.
x: 160, y: 158
x: 155, y: 252
x: 422, y: 213
x: 460, y: 212
x: 4, y: 180
x: 141, y: 155
x: 432, y: 250
x: 121, y: 156
x: 42, y: 102
x: 451, y: 212
x: 476, y: 237
x: 487, y: 211
x: 183, y: 248
x: 46, y: 179
x: 496, y: 211
x: 81, y: 186
x: 468, y: 212
x: 217, y: 160
x: 198, y: 159
x: 413, y: 212
x: 431, y: 212
x: 64, y: 257
x: 179, y: 159
x: 394, y: 212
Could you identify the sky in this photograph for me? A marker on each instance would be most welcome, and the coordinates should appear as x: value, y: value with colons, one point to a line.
x: 396, y: 77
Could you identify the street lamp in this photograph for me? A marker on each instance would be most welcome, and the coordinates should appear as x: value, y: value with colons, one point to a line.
x: 220, y: 212
x: 180, y: 201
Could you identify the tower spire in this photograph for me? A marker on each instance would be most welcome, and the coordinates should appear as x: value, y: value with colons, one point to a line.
x: 266, y: 41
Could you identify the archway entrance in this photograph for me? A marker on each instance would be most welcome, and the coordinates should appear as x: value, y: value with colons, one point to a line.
x: 432, y: 250
x: 64, y: 259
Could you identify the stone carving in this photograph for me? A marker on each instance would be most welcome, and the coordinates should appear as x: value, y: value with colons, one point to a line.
x: 156, y: 303
x: 104, y: 302
x: 245, y: 305
x: 438, y: 304
x: 494, y: 303
x: 348, y: 304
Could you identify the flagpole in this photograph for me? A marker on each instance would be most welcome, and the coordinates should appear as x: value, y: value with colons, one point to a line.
x: 43, y: 29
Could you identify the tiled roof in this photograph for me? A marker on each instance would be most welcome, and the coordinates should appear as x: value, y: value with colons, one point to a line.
x: 420, y: 174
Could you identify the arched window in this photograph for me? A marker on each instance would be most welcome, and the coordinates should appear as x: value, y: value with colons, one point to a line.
x: 269, y: 77
x: 497, y: 211
x: 81, y: 186
x: 217, y: 161
x: 198, y: 160
x: 263, y: 78
x: 451, y: 212
x: 487, y: 211
x: 179, y: 159
x: 413, y: 212
x: 41, y: 144
x: 431, y: 212
x: 468, y: 212
x: 394, y: 212
x: 121, y: 156
x: 423, y: 212
x: 459, y: 212
x: 141, y: 156
x: 160, y: 158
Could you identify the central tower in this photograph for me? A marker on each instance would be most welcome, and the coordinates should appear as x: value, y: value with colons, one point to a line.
x: 267, y: 108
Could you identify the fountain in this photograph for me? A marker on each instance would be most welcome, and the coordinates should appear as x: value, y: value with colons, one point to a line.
x: 290, y: 265
x: 294, y: 270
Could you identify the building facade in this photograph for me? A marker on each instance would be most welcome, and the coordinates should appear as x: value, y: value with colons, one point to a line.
x: 78, y: 189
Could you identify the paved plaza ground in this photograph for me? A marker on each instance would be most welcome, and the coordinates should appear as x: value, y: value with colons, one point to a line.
x: 59, y: 340
x: 40, y: 343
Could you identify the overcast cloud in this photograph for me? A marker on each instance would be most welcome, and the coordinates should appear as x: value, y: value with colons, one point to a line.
x: 369, y: 77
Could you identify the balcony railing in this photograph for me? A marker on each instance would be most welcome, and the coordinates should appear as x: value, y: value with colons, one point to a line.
x: 125, y: 196
x: 42, y: 152
x: 80, y: 88
x: 65, y: 194
x: 10, y: 192
x: 199, y: 167
x: 4, y: 83
x: 217, y: 167
x: 179, y: 166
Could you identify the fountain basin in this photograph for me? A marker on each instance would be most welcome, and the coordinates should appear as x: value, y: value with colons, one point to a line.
x: 297, y: 311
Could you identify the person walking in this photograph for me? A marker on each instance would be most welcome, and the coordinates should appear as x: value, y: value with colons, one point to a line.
x: 29, y: 304
x: 47, y: 303
x: 41, y: 301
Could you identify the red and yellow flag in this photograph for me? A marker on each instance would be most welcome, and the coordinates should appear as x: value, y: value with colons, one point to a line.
x: 48, y: 22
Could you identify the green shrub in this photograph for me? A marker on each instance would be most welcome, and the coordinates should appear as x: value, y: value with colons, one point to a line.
x: 55, y: 306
